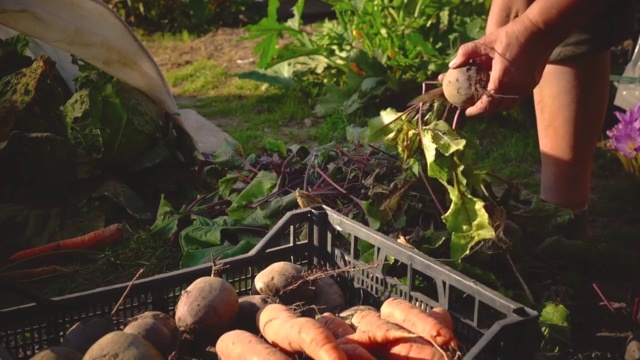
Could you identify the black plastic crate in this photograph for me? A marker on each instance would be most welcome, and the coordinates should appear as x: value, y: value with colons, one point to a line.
x: 489, y: 325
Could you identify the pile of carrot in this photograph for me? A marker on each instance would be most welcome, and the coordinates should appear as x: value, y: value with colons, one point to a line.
x: 398, y: 330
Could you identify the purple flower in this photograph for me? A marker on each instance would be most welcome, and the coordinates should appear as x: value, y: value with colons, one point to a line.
x: 627, y: 144
x: 631, y: 117
x: 625, y: 136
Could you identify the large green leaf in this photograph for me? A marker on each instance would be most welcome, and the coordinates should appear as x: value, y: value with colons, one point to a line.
x: 554, y: 323
x: 466, y: 217
x: 269, y: 213
x: 227, y: 250
x: 166, y: 223
x: 260, y: 186
x: 30, y: 100
x: 205, y: 232
x: 468, y: 222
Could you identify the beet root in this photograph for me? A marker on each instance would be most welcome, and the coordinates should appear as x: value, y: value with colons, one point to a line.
x: 120, y: 345
x: 206, y: 309
x: 464, y: 86
x: 86, y: 332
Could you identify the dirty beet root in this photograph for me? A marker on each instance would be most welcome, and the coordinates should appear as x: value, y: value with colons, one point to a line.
x: 464, y: 86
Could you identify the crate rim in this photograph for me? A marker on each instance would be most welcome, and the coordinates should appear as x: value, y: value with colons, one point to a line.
x: 336, y: 219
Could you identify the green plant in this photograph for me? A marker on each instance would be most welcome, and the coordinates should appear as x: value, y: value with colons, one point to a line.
x: 193, y: 16
x: 371, y: 55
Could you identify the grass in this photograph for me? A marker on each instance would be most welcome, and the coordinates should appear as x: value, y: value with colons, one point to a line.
x: 507, y: 145
x: 247, y: 110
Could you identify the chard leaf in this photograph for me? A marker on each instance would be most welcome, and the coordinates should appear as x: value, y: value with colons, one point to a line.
x: 554, y: 323
x: 226, y: 184
x: 166, y: 223
x: 259, y: 187
x: 467, y: 220
x: 227, y: 250
x: 204, y: 232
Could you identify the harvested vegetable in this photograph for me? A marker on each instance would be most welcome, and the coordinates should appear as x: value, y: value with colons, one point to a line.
x: 443, y: 316
x: 240, y: 344
x: 86, y: 332
x: 327, y: 296
x: 388, y: 340
x: 356, y: 352
x: 338, y: 327
x: 373, y: 331
x: 464, y: 86
x: 413, y: 349
x: 153, y: 332
x: 165, y: 320
x: 249, y: 306
x: 206, y: 309
x: 347, y: 314
x: 284, y: 280
x: 412, y: 318
x: 57, y: 353
x: 283, y: 329
x: 121, y: 345
x: 106, y: 236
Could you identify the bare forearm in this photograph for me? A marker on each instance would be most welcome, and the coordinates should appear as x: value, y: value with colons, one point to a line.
x: 557, y: 19
x: 503, y: 11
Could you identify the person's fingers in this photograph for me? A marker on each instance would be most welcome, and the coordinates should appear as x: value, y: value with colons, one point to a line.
x: 441, y: 78
x: 472, y: 51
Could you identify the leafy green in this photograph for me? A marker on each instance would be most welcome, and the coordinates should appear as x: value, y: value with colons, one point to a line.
x: 554, y: 323
x: 114, y: 124
x: 30, y: 100
x: 166, y: 223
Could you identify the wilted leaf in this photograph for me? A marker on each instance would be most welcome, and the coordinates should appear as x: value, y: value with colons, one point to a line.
x: 30, y: 100
x: 122, y: 195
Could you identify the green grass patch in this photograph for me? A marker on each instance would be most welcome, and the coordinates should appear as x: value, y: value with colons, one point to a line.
x: 507, y: 145
x: 249, y: 111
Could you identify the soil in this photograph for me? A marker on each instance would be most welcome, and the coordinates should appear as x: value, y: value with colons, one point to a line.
x: 597, y: 332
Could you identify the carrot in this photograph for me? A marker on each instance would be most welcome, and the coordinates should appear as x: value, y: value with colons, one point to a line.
x: 387, y: 340
x: 31, y: 274
x: 372, y: 330
x: 412, y: 318
x: 443, y: 316
x: 108, y: 235
x: 285, y: 330
x: 403, y: 350
x: 241, y: 344
x: 356, y: 352
x: 338, y: 327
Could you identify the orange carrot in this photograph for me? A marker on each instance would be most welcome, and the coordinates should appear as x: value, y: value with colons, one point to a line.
x: 356, y: 352
x: 285, y: 330
x: 410, y: 349
x: 443, y: 316
x: 372, y: 330
x: 387, y: 340
x: 338, y: 327
x: 412, y: 318
x: 241, y: 344
x: 110, y: 234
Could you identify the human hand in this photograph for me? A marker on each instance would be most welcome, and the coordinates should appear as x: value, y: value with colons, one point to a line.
x: 516, y: 54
